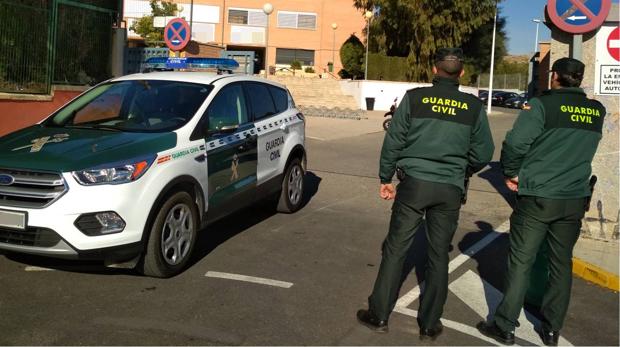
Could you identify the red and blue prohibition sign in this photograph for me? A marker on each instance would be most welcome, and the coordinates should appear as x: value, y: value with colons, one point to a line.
x: 176, y: 34
x: 578, y: 16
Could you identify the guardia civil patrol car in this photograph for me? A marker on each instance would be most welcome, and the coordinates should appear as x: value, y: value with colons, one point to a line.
x: 136, y: 166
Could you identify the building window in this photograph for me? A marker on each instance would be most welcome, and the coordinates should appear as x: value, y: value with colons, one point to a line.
x: 247, y: 17
x: 287, y: 56
x: 296, y: 20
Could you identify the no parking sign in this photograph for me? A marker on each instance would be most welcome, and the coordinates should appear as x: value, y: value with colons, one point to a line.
x: 177, y: 34
x: 578, y: 16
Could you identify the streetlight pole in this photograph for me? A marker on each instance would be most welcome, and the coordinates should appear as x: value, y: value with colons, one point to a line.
x: 334, y: 27
x: 368, y: 16
x: 267, y: 9
x: 490, y: 96
x: 537, y: 21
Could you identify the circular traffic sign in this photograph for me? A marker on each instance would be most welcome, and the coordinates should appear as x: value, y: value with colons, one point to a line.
x: 578, y: 16
x: 613, y: 44
x: 177, y: 34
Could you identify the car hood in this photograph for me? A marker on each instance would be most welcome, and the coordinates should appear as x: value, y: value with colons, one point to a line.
x: 68, y: 149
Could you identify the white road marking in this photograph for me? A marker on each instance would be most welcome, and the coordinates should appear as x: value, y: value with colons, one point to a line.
x: 315, y: 138
x: 414, y: 293
x: 259, y: 280
x: 465, y: 329
x: 483, y: 298
x: 37, y: 269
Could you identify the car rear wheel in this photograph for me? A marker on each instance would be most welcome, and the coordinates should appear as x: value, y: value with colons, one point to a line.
x: 172, y: 237
x: 292, y: 192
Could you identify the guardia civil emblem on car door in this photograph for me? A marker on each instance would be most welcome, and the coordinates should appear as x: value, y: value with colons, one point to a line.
x: 233, y: 167
x: 37, y: 144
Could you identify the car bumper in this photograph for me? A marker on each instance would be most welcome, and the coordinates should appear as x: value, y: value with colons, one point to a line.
x: 52, y: 231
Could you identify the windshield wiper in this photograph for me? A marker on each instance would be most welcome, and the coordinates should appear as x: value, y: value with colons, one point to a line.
x: 95, y: 126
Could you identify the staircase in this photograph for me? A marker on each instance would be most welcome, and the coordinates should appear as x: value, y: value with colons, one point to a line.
x: 317, y: 92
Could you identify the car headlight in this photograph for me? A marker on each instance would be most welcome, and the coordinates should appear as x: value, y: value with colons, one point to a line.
x: 114, y: 173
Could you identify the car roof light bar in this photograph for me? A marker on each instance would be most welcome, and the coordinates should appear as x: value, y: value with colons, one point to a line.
x: 165, y: 63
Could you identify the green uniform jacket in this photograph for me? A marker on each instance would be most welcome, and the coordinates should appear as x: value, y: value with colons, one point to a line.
x: 551, y: 145
x: 436, y: 133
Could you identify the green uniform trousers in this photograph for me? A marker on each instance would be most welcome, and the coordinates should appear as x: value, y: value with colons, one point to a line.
x: 414, y: 198
x: 534, y: 221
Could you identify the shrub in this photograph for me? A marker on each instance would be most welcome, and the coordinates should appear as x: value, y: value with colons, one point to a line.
x: 296, y: 65
x: 352, y: 57
x: 309, y: 69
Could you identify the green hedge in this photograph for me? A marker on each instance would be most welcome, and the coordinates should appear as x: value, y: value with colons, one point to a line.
x: 382, y: 67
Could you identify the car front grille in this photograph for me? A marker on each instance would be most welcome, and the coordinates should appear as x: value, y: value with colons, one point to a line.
x: 34, y: 237
x: 31, y: 189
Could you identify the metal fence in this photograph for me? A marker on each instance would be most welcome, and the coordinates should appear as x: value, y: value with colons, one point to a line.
x: 24, y: 31
x: 55, y: 41
x: 503, y: 81
x: 137, y: 56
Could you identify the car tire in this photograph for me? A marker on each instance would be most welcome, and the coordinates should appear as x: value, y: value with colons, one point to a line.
x: 172, y: 237
x: 291, y: 195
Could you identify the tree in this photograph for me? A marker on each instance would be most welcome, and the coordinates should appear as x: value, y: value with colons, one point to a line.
x: 154, y: 37
x: 417, y: 28
x: 352, y: 57
x: 477, y: 48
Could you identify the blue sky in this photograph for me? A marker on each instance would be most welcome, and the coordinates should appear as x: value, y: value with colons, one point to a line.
x: 520, y: 29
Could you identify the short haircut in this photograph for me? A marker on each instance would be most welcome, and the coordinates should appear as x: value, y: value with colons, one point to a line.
x: 569, y: 80
x: 451, y: 67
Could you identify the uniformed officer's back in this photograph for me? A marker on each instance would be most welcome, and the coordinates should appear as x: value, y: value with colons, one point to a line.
x: 440, y: 124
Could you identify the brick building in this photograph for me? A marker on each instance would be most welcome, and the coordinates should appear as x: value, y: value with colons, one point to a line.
x: 297, y: 29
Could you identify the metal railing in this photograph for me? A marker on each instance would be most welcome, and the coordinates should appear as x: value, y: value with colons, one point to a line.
x: 54, y: 41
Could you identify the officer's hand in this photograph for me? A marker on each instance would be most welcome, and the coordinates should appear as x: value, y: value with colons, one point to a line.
x: 513, y: 184
x: 387, y: 191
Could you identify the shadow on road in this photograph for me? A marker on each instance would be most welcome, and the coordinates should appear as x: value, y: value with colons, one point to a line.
x: 494, y: 175
x: 225, y: 229
x: 208, y: 239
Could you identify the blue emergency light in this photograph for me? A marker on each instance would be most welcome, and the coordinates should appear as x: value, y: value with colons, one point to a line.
x: 164, y: 63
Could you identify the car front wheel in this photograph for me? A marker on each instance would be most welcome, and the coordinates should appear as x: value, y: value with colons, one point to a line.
x: 172, y: 237
x: 292, y: 192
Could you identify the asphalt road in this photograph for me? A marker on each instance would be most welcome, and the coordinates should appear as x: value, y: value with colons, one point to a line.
x: 325, y: 258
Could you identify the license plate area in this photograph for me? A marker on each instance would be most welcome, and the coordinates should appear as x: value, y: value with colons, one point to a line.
x: 13, y: 219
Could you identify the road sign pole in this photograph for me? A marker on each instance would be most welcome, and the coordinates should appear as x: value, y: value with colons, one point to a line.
x: 577, y: 49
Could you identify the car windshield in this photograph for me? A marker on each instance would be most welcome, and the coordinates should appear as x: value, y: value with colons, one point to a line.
x: 138, y: 106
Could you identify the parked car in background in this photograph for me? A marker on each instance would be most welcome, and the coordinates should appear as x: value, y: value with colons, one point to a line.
x: 499, y: 98
x: 516, y: 102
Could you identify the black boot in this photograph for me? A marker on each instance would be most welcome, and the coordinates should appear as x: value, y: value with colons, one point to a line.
x: 368, y: 319
x: 494, y: 332
x: 432, y: 333
x: 549, y: 337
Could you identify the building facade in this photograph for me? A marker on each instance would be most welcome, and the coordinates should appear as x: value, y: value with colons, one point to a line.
x: 310, y: 32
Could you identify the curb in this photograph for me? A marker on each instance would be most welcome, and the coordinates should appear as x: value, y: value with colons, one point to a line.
x: 595, y: 274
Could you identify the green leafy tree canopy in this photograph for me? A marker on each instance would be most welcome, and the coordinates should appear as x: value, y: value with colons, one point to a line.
x: 417, y: 28
x: 352, y: 58
x: 154, y: 37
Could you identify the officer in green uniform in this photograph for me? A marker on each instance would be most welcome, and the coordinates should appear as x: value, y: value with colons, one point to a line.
x: 437, y: 134
x: 546, y: 158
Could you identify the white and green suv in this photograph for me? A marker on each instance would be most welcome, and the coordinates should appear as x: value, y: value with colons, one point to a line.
x: 136, y: 166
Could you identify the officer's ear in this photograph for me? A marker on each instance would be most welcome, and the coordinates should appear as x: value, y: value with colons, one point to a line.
x: 462, y: 73
x: 434, y: 70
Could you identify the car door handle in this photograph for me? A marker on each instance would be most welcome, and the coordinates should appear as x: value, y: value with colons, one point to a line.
x: 251, y: 139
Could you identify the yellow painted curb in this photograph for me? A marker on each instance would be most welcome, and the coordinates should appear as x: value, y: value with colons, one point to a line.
x: 595, y: 274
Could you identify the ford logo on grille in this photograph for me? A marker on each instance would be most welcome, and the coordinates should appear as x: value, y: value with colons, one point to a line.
x: 6, y: 180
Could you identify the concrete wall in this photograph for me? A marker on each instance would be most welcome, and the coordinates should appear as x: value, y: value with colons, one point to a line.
x: 602, y: 220
x: 384, y: 92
